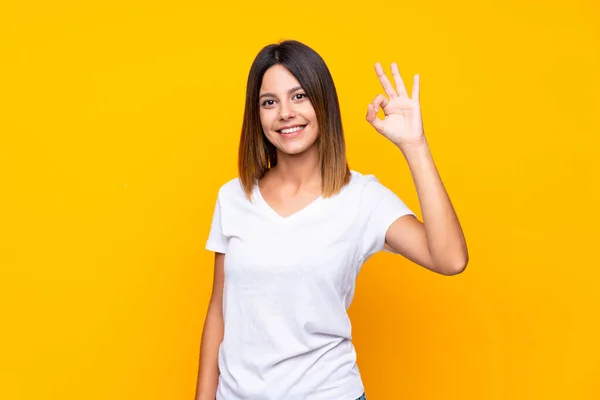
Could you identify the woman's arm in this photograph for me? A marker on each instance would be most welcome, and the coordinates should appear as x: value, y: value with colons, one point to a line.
x: 437, y: 244
x: 212, y: 336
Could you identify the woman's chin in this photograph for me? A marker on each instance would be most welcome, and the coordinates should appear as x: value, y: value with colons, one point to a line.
x: 293, y: 149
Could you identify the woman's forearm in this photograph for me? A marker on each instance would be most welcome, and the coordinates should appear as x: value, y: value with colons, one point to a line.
x: 445, y: 238
x: 212, y: 336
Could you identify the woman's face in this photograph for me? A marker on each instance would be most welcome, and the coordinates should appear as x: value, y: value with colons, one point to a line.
x: 287, y: 116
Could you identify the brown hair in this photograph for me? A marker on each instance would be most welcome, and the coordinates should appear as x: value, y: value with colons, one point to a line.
x: 256, y: 154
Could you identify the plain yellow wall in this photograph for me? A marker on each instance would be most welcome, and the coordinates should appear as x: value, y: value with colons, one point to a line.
x: 120, y: 120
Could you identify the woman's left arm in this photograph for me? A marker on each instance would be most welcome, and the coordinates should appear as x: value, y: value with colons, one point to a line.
x: 438, y: 242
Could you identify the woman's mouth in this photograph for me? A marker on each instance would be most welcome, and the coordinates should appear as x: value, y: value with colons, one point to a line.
x: 291, y: 132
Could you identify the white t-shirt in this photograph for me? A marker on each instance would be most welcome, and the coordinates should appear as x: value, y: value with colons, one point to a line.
x: 288, y: 284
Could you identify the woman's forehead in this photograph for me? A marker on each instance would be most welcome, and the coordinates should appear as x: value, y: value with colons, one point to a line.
x: 278, y: 79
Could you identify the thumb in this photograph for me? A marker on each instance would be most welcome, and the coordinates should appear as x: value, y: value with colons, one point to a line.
x: 373, y: 119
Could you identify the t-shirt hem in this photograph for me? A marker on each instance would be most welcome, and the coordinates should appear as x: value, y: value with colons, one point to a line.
x: 388, y: 224
x: 356, y: 395
x: 216, y: 247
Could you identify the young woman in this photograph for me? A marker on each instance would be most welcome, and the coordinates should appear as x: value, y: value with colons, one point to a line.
x: 291, y: 232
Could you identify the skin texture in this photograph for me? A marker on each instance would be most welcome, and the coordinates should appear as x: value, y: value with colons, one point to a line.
x: 438, y: 244
x: 212, y: 336
x: 296, y: 180
x: 281, y: 105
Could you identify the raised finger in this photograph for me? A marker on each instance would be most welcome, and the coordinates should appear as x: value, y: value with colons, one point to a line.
x: 400, y: 88
x: 416, y: 91
x: 385, y: 82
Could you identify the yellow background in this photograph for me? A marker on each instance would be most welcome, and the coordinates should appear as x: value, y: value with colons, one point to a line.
x: 120, y: 120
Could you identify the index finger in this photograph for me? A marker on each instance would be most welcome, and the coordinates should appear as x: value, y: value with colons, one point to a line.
x: 385, y: 82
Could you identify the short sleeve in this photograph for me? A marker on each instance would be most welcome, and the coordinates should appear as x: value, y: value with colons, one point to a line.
x: 217, y: 241
x: 383, y: 208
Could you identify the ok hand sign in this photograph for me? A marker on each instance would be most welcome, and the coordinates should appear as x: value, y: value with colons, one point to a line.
x: 402, y: 123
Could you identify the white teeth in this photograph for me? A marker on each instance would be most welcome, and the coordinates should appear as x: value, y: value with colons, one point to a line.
x: 291, y: 130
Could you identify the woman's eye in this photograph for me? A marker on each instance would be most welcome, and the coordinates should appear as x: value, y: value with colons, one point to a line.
x: 270, y: 102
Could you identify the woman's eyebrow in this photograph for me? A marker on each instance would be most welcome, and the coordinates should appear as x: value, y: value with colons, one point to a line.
x: 272, y: 95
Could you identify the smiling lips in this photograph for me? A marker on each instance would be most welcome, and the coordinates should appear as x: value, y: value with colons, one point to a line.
x: 292, y: 132
x: 291, y: 129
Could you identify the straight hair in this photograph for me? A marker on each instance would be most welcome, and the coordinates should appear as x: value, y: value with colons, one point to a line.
x: 256, y: 154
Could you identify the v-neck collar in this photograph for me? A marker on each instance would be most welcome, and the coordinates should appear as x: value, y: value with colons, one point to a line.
x: 278, y: 217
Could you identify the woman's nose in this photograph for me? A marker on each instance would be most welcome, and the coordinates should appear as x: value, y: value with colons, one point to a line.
x: 286, y: 111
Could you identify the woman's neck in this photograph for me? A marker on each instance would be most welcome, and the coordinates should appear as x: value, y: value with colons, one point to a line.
x: 298, y: 170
